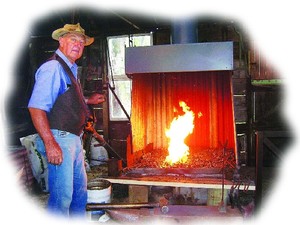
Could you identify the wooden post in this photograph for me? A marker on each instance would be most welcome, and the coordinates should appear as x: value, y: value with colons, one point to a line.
x: 259, y: 167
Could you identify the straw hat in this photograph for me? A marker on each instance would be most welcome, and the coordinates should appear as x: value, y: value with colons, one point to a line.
x: 72, y: 28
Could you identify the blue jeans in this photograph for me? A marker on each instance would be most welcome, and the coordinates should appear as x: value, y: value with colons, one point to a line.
x: 68, y: 181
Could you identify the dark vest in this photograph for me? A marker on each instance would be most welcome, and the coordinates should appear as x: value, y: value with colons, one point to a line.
x: 69, y: 112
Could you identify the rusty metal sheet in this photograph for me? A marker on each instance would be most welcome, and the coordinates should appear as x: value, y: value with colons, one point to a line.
x: 186, y: 172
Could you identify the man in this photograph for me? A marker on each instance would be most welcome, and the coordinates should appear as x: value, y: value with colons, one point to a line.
x: 59, y: 112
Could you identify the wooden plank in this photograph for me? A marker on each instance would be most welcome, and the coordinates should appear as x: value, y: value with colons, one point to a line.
x: 269, y: 134
x: 208, y: 184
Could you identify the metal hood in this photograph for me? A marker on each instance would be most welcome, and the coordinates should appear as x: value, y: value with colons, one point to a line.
x: 191, y: 57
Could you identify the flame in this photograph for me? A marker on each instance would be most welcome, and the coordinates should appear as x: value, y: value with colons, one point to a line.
x: 180, y: 128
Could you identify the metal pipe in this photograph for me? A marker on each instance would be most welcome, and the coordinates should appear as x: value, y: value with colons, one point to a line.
x: 184, y: 31
x: 99, y: 206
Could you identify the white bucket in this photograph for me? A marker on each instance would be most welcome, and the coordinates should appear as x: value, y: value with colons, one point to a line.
x: 98, y: 191
x: 99, y: 154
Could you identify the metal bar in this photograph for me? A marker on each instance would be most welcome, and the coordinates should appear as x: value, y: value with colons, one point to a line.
x: 119, y: 102
x: 177, y: 171
x: 98, y: 206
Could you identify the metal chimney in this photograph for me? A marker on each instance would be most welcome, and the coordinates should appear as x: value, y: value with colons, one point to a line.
x: 184, y: 31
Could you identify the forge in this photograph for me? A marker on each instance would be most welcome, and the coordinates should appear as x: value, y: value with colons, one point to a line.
x: 197, y: 74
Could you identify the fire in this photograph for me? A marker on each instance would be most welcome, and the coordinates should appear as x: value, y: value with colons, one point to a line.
x: 180, y: 128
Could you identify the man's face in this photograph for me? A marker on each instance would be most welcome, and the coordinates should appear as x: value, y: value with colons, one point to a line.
x: 72, y: 46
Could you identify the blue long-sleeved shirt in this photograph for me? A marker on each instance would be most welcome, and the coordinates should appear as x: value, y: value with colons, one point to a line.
x: 50, y: 81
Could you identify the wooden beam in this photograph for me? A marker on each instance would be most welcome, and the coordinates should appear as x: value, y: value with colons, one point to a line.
x: 285, y: 134
x: 273, y: 148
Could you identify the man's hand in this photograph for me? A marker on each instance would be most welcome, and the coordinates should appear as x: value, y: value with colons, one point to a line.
x: 95, y: 99
x: 54, y: 153
x: 41, y: 123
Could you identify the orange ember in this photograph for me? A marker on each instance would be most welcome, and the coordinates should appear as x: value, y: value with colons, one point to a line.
x: 180, y: 128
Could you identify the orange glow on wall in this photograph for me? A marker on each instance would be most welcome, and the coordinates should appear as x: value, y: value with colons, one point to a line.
x: 208, y: 94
